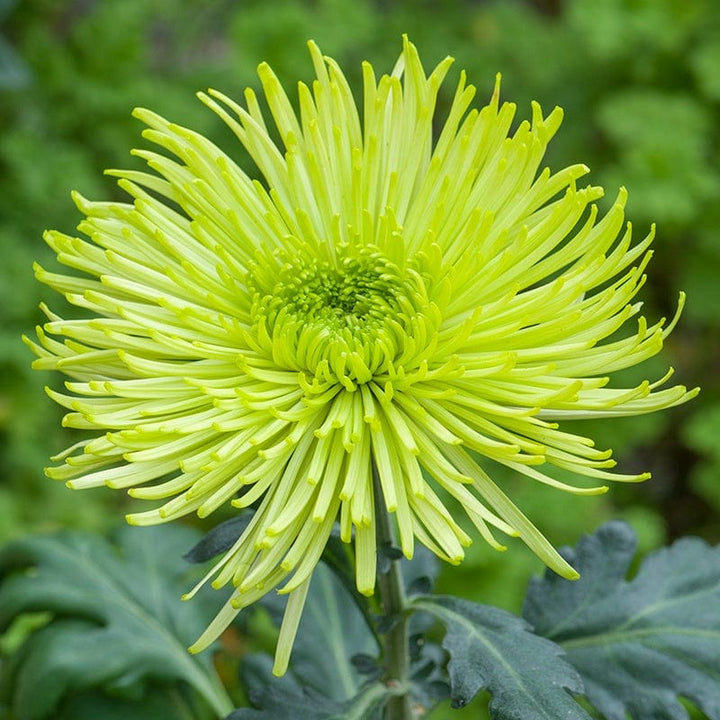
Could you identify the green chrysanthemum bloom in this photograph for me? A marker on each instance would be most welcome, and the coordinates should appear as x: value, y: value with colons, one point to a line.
x: 376, y: 299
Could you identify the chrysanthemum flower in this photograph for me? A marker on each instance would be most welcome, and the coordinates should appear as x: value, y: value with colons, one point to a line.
x: 376, y: 298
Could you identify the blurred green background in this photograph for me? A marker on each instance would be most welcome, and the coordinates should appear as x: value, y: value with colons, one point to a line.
x: 640, y: 84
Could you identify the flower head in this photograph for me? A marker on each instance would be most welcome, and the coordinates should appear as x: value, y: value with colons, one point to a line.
x: 377, y: 302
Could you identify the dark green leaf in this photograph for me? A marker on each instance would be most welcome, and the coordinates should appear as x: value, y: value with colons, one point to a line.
x: 219, y: 539
x: 118, y: 621
x: 283, y: 698
x: 490, y: 648
x: 421, y: 571
x: 339, y: 557
x: 323, y: 682
x: 641, y: 643
x: 332, y: 631
x: 365, y: 664
x: 429, y: 677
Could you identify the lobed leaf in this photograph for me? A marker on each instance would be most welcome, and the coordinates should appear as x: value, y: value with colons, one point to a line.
x: 490, y: 648
x: 638, y: 644
x: 116, y: 619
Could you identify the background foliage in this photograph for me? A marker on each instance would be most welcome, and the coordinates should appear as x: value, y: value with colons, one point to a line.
x: 639, y: 84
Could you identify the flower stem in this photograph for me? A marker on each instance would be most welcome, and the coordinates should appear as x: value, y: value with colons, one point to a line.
x: 391, y: 590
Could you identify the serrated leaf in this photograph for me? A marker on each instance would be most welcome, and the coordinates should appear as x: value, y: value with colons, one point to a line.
x: 490, y: 648
x: 118, y: 621
x: 638, y: 644
x: 286, y: 697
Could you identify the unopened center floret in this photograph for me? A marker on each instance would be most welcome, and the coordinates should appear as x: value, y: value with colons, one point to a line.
x: 342, y: 320
x: 359, y: 291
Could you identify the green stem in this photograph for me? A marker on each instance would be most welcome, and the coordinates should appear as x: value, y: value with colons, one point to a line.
x: 391, y: 590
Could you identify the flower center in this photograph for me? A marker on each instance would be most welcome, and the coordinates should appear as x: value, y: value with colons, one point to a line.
x: 359, y: 292
x: 346, y: 320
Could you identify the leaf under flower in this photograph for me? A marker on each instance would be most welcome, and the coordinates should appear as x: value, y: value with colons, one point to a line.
x: 492, y: 649
x: 642, y: 643
x: 117, y: 621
